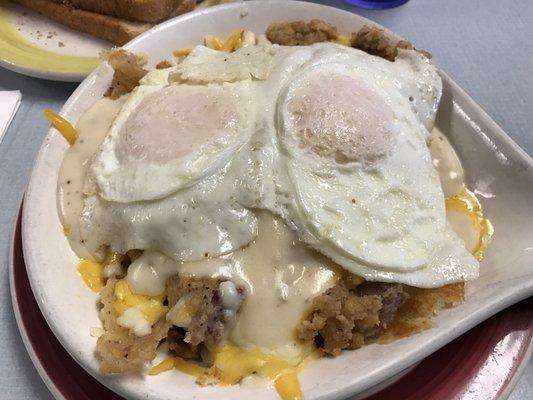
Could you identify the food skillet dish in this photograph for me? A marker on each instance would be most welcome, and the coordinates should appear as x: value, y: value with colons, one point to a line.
x: 257, y: 203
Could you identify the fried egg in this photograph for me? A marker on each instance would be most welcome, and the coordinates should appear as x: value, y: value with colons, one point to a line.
x: 195, y: 223
x: 329, y: 138
x: 246, y: 63
x: 356, y: 178
x: 168, y: 137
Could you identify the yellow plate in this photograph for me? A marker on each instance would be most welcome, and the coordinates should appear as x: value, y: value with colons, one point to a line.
x: 33, y: 45
x: 36, y: 46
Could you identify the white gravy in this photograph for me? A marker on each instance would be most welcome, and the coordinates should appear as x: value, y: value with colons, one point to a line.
x: 279, y: 274
x: 92, y: 128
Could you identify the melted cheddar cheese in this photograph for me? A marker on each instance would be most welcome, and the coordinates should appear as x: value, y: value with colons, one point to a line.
x: 151, y: 308
x: 91, y: 273
x: 232, y: 364
x: 466, y: 216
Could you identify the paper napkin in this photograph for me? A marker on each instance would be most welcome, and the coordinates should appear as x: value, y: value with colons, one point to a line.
x: 9, y: 104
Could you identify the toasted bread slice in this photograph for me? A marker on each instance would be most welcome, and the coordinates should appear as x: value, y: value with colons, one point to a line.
x: 137, y: 10
x: 184, y: 7
x: 115, y: 30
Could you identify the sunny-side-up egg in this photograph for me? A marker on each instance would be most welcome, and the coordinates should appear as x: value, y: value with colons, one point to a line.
x: 159, y: 180
x: 270, y: 168
x: 351, y: 168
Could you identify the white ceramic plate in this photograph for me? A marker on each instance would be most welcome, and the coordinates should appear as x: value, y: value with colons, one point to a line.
x: 497, y: 170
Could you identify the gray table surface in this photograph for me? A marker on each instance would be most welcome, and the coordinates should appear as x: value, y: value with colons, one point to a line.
x: 485, y: 45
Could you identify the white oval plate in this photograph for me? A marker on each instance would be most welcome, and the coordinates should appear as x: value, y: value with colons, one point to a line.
x: 497, y: 169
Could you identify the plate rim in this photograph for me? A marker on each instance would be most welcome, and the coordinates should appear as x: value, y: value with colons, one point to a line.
x: 50, y: 385
x: 526, y: 289
x: 42, y: 74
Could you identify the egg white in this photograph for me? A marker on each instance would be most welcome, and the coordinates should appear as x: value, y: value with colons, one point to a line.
x: 378, y: 210
x: 381, y: 203
x: 206, y: 65
x: 168, y: 136
x: 383, y: 218
x: 192, y: 224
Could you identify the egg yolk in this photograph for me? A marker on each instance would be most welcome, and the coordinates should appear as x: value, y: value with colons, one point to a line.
x: 184, y: 117
x: 340, y: 117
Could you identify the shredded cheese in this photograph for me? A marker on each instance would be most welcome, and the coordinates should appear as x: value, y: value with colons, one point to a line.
x: 163, y: 366
x: 213, y: 42
x: 188, y: 367
x: 344, y: 40
x: 217, y: 43
x: 234, y: 42
x: 182, y: 52
x: 62, y: 125
x: 234, y: 364
x: 180, y: 364
x: 151, y: 308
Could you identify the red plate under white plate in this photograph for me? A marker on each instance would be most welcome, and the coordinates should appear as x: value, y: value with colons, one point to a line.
x: 484, y: 363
